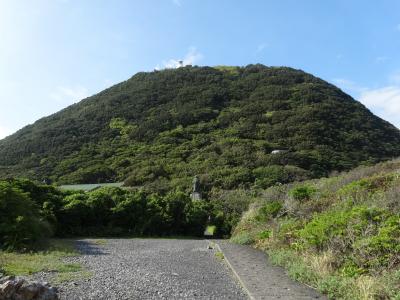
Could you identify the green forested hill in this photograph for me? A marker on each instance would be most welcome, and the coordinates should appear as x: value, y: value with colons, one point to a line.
x: 158, y: 129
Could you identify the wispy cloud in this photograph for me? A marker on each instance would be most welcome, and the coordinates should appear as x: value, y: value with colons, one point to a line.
x: 394, y: 78
x: 177, y: 2
x: 69, y: 95
x: 349, y: 86
x: 381, y: 59
x: 261, y: 47
x: 398, y: 27
x: 192, y: 57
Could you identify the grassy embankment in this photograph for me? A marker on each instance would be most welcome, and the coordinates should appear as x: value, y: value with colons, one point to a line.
x: 340, y: 235
x: 46, y: 258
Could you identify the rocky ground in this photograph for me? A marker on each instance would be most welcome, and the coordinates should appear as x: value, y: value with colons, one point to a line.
x: 150, y: 269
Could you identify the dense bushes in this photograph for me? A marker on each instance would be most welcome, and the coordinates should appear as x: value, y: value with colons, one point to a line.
x: 302, y: 192
x: 29, y: 211
x: 20, y: 220
x: 113, y: 211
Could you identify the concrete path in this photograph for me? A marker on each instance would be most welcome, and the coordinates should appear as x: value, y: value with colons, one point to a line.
x: 260, y: 278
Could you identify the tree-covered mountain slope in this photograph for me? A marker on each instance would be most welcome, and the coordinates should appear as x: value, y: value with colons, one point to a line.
x: 159, y: 129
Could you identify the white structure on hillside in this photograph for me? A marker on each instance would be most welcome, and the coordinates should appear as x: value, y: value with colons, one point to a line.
x: 277, y: 151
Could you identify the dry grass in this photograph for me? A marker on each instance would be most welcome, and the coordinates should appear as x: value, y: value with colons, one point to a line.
x: 323, y: 263
x: 391, y: 199
x: 367, y: 288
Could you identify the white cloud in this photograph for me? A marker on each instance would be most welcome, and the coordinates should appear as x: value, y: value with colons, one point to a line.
x: 385, y: 102
x: 191, y: 57
x: 4, y: 131
x: 69, y: 95
x: 382, y: 101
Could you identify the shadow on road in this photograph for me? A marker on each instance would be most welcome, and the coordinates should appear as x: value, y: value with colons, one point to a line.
x: 89, y: 248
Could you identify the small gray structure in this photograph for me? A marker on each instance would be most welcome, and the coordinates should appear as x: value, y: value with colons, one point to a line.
x: 196, y: 195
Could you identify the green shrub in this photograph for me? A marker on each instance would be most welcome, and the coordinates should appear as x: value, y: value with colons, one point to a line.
x: 20, y: 222
x: 269, y: 211
x: 288, y: 230
x: 336, y: 223
x: 269, y: 176
x: 350, y: 269
x: 243, y: 238
x: 391, y: 282
x: 265, y: 234
x: 299, y: 271
x: 227, y: 208
x: 302, y: 192
x: 282, y: 257
x: 335, y: 287
x: 382, y: 249
x: 276, y: 174
x: 210, y: 230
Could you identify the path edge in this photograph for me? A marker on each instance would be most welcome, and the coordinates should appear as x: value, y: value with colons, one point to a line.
x: 243, y: 285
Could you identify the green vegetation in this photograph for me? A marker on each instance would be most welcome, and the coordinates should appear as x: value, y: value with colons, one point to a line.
x: 219, y: 255
x: 71, y: 276
x: 210, y: 230
x: 32, y: 212
x: 340, y: 235
x: 158, y: 129
x: 302, y: 193
x: 47, y: 257
x: 20, y: 219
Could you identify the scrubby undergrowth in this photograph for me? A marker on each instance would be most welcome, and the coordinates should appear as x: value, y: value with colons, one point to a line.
x: 340, y: 235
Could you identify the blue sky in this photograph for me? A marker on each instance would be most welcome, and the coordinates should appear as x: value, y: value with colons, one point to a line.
x: 55, y: 52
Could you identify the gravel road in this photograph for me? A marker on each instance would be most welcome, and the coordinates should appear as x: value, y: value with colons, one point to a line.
x: 151, y: 269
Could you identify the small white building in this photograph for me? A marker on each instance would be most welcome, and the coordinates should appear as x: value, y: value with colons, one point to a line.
x: 277, y: 151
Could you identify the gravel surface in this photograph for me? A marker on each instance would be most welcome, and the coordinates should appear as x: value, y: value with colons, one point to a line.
x: 151, y: 269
